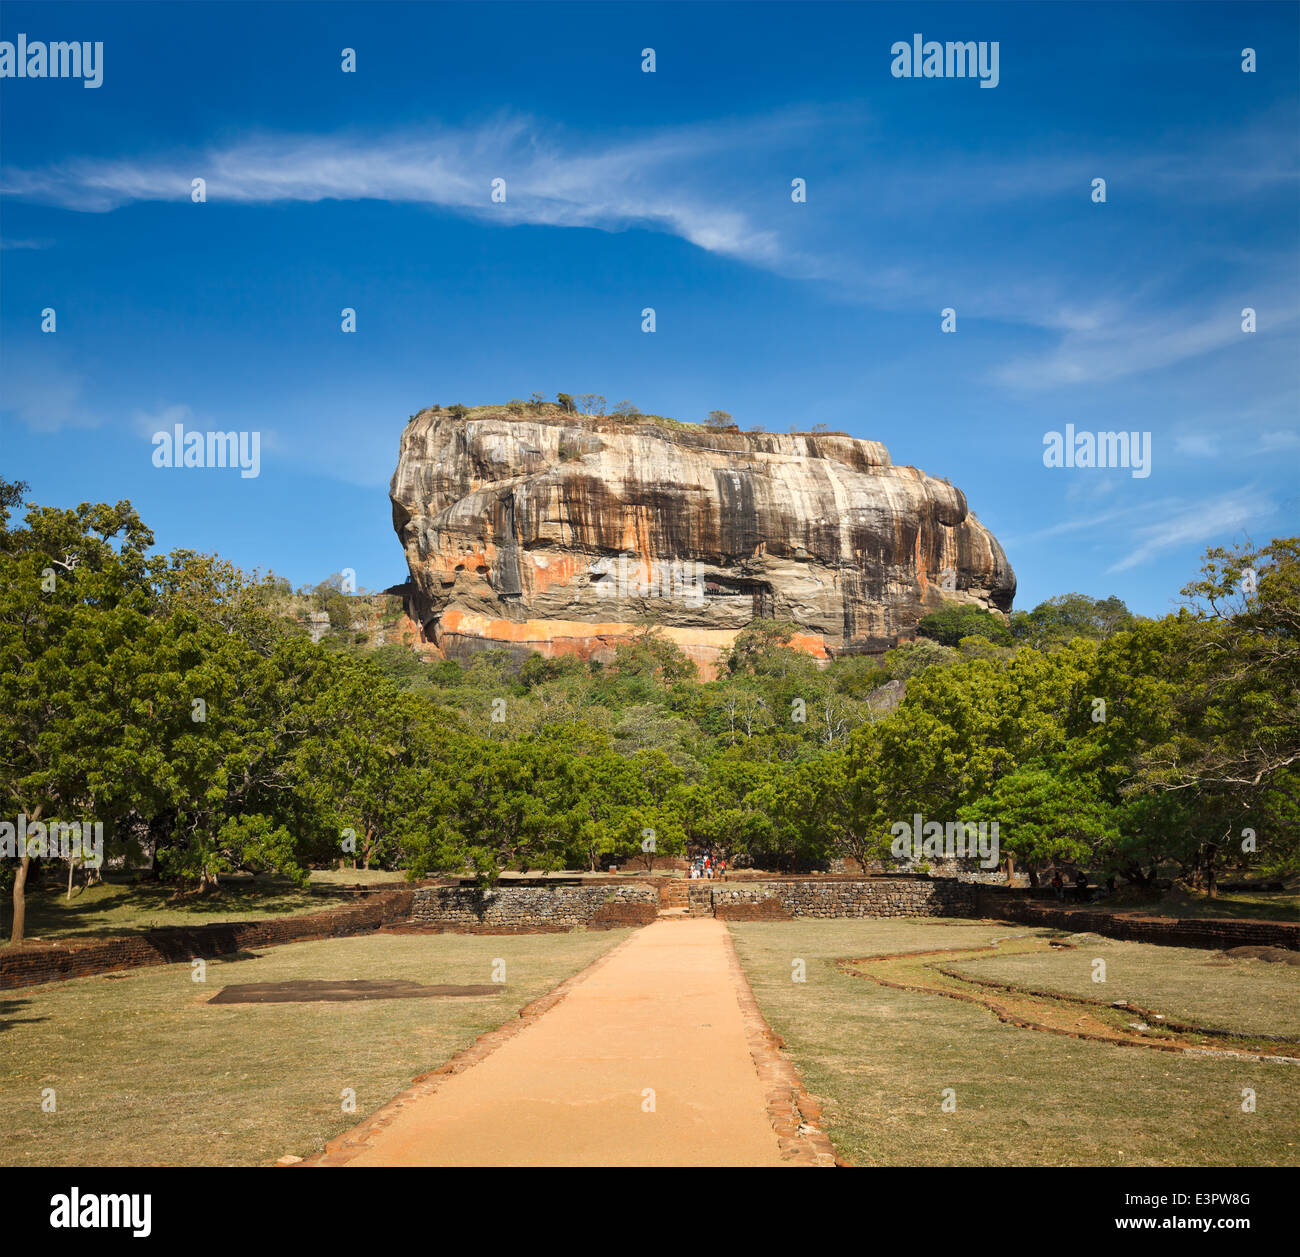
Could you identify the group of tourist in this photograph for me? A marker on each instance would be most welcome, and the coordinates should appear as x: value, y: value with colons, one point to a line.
x: 708, y: 865
x: 1080, y: 886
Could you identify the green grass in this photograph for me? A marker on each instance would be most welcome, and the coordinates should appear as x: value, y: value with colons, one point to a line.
x: 1258, y: 905
x: 880, y: 1060
x: 120, y: 905
x: 1186, y: 984
x: 146, y: 1072
x: 358, y: 877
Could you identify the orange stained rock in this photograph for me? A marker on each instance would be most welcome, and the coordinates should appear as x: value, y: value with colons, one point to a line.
x: 471, y: 624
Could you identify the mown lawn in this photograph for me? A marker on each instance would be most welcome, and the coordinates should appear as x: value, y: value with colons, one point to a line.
x: 881, y: 1060
x: 146, y: 1072
x: 1253, y: 905
x: 121, y: 905
x: 1188, y: 984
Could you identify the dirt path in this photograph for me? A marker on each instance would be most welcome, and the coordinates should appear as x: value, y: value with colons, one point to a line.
x: 660, y: 1015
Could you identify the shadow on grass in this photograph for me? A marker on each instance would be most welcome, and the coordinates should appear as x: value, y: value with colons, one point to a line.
x: 129, y: 907
x: 235, y: 957
x: 1282, y: 907
x: 10, y: 1006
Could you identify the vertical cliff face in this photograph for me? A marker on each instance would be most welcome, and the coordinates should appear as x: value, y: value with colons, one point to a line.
x: 557, y: 532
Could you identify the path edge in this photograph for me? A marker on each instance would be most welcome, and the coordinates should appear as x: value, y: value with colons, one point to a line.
x: 359, y: 1138
x: 794, y: 1114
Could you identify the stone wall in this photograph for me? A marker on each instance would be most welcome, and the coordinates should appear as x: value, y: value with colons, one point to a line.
x: 1217, y: 932
x: 35, y: 962
x: 786, y: 899
x: 533, y: 908
x: 699, y: 897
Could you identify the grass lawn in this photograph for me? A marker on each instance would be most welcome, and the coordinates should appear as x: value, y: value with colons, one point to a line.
x: 348, y: 878
x: 147, y: 1073
x: 1254, y: 905
x: 880, y: 1060
x: 1185, y: 983
x: 120, y: 905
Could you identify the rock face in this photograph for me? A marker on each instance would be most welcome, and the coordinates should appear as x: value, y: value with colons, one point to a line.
x: 557, y: 532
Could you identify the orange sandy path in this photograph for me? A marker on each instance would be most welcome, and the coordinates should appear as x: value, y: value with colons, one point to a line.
x: 661, y: 1013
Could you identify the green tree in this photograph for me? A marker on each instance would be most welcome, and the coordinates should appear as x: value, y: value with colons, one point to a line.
x: 73, y: 594
x: 1234, y: 749
x: 1045, y: 816
x: 1070, y: 615
x: 956, y: 620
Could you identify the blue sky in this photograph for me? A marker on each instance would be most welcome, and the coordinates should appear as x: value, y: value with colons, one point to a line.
x: 624, y: 190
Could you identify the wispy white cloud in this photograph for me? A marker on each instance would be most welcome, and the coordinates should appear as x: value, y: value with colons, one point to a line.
x: 164, y: 418
x: 1197, y: 445
x: 1261, y: 154
x: 1286, y: 439
x: 1131, y: 344
x: 713, y: 185
x: 638, y: 182
x: 46, y: 397
x: 1196, y: 523
x: 1094, y: 520
x: 1149, y: 528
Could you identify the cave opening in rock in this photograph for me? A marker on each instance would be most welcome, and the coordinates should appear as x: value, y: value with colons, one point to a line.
x: 759, y: 592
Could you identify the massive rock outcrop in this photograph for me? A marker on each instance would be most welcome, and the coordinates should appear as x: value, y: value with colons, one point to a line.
x: 556, y: 533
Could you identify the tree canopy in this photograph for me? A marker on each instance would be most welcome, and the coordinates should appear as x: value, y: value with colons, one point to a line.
x: 176, y: 700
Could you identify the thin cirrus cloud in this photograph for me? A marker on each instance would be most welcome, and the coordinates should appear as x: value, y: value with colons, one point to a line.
x: 636, y: 183
x: 1168, y: 523
x: 1197, y: 445
x: 1131, y: 345
x: 1094, y: 520
x: 47, y: 396
x: 148, y: 423
x: 711, y: 184
x: 165, y: 419
x: 1261, y: 154
x: 1195, y: 523
x: 1283, y: 439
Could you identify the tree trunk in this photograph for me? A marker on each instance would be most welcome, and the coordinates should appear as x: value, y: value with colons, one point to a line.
x: 72, y: 868
x: 20, y: 901
x: 20, y: 889
x: 1211, y: 879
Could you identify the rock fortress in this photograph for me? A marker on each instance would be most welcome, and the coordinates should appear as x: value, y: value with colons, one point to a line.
x: 562, y: 533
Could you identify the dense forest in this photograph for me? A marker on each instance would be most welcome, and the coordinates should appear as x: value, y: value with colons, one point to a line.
x: 179, y: 702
